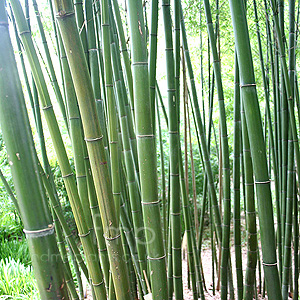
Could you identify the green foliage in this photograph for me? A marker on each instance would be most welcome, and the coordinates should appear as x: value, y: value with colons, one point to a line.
x: 16, y: 280
x: 15, y: 249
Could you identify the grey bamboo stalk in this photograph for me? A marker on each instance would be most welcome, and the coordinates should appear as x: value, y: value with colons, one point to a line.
x: 22, y: 156
x: 94, y: 140
x: 257, y: 146
x: 147, y: 153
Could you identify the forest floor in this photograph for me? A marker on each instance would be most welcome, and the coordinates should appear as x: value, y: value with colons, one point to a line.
x: 207, y: 267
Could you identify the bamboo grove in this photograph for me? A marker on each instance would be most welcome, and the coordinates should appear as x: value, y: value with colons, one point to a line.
x: 132, y: 210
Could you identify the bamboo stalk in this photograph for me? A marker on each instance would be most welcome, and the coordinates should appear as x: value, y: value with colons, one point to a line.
x: 257, y: 146
x: 23, y: 161
x: 94, y: 140
x: 146, y: 154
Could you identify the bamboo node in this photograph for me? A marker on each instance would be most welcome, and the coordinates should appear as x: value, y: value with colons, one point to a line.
x: 93, y: 207
x: 80, y: 176
x: 269, y: 264
x: 247, y: 85
x: 148, y: 203
x: 41, y: 232
x: 175, y: 214
x: 63, y: 14
x: 84, y: 234
x: 47, y: 107
x: 109, y: 85
x: 140, y: 63
x: 97, y: 284
x: 95, y: 139
x: 146, y: 136
x: 23, y: 32
x: 156, y: 258
x: 111, y: 238
x: 176, y: 248
x: 263, y: 182
x: 68, y: 175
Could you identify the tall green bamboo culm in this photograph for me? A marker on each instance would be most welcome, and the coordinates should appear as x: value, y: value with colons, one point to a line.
x: 250, y: 215
x: 147, y: 153
x: 95, y: 147
x: 257, y: 146
x: 173, y: 126
x: 237, y: 182
x: 67, y: 174
x: 17, y: 134
x: 50, y: 64
x: 224, y: 150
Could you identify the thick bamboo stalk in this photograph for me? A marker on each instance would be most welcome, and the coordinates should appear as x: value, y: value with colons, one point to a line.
x: 250, y: 215
x: 147, y: 154
x: 257, y: 146
x: 17, y: 134
x: 134, y: 195
x: 94, y: 140
x: 173, y: 111
x: 67, y: 173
